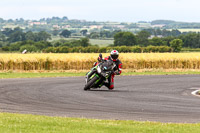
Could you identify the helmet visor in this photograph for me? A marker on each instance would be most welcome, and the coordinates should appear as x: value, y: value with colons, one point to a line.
x: 114, y: 56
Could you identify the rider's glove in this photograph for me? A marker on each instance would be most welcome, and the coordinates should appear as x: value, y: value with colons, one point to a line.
x: 94, y: 64
x: 116, y: 73
x: 99, y: 59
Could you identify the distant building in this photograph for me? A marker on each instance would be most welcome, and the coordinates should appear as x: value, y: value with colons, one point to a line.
x: 119, y: 26
x: 158, y: 26
x: 56, y: 26
x: 66, y: 26
x: 96, y: 26
x: 37, y: 23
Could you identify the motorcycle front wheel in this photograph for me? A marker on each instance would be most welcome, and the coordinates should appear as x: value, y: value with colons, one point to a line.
x: 90, y: 83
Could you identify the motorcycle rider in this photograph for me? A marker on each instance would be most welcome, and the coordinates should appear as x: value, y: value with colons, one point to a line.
x: 117, y: 70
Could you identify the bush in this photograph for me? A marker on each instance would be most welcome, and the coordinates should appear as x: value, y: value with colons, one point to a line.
x: 5, y: 48
x: 125, y: 49
x: 121, y: 49
x: 77, y: 50
x: 64, y: 49
x: 50, y: 50
x: 153, y: 49
x: 109, y: 49
x: 136, y: 49
x: 102, y: 50
x: 163, y: 49
x: 91, y: 49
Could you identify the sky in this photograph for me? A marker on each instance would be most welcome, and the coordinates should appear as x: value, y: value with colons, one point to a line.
x: 103, y: 10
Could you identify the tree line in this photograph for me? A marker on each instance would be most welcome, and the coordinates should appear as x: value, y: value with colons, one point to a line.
x: 17, y: 40
x: 14, y: 35
x: 143, y: 38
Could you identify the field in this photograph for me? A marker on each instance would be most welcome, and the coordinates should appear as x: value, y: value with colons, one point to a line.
x: 188, y: 30
x: 100, y: 42
x: 84, y: 61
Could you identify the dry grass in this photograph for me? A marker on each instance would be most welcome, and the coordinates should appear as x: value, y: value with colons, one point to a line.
x: 82, y: 62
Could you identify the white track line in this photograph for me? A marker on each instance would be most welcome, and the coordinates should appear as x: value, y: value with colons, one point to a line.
x: 195, y: 93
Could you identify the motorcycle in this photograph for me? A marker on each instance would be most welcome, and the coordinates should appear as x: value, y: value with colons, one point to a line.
x: 99, y: 74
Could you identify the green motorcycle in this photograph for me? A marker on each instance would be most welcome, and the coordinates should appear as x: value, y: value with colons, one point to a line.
x: 99, y: 74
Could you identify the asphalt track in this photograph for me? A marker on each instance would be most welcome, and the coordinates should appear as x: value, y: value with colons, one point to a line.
x: 145, y: 98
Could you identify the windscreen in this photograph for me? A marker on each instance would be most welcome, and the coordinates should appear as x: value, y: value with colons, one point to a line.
x: 107, y: 65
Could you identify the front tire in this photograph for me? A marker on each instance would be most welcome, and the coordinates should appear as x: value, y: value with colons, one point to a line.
x: 90, y: 83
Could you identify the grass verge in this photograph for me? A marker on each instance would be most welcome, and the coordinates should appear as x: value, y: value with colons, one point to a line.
x: 23, y: 123
x: 37, y: 74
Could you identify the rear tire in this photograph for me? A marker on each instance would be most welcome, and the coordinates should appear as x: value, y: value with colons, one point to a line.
x: 90, y: 83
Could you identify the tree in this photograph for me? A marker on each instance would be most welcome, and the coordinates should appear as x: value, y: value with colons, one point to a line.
x: 42, y: 36
x: 65, y: 33
x: 166, y: 33
x: 176, y: 45
x: 158, y: 32
x: 94, y: 35
x: 1, y: 44
x: 124, y: 38
x: 175, y: 32
x: 1, y: 20
x: 84, y: 32
x: 156, y: 41
x: 55, y: 32
x: 7, y: 31
x: 16, y: 36
x: 39, y: 45
x: 115, y: 32
x: 65, y: 18
x: 142, y: 37
x: 30, y: 36
x: 191, y: 40
x: 29, y: 48
x: 167, y: 40
x: 2, y: 37
x: 84, y: 42
x: 15, y: 46
x: 105, y: 34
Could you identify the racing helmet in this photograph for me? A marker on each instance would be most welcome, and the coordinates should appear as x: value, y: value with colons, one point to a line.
x: 114, y: 54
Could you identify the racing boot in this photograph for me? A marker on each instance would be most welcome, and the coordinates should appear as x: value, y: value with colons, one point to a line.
x: 108, y: 86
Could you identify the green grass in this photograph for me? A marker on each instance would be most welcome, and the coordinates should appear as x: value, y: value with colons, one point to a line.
x: 21, y: 123
x: 162, y: 73
x: 71, y: 74
x: 37, y: 75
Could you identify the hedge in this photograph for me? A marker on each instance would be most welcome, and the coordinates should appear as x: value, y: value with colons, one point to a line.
x: 121, y: 49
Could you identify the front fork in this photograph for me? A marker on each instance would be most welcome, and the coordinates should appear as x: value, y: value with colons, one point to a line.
x: 89, y: 74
